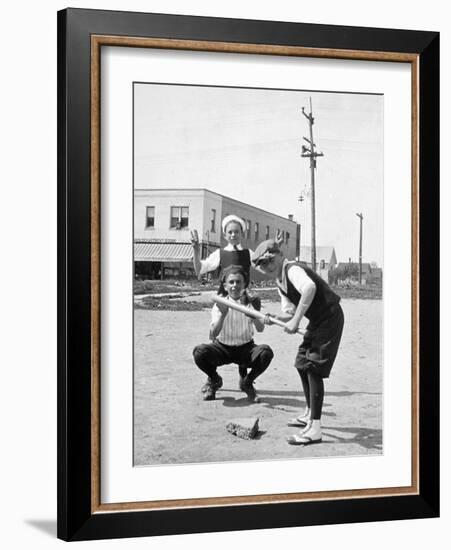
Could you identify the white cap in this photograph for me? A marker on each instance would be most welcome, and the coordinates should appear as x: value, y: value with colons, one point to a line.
x: 233, y: 218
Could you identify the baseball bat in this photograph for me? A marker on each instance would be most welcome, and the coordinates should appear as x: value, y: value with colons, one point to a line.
x: 250, y: 312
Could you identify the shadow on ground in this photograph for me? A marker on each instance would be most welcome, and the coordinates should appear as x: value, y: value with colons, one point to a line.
x: 281, y: 399
x: 47, y: 526
x: 365, y: 437
x: 274, y: 403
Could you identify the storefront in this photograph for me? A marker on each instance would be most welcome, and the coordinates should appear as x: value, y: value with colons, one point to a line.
x: 165, y: 260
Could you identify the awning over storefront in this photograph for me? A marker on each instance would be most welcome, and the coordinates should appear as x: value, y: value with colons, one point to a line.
x: 163, y: 252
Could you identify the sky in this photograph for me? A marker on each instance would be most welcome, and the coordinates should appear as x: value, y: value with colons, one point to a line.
x: 246, y: 144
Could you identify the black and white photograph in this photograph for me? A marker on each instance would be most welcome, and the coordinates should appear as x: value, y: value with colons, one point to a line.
x: 258, y: 274
x: 162, y: 376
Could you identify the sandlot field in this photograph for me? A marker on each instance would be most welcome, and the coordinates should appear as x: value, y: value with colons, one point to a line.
x: 173, y: 425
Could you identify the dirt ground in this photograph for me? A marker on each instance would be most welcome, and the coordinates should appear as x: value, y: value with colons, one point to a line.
x: 173, y: 425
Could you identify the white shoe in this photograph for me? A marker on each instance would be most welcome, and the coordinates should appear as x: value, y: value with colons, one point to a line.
x: 300, y: 421
x: 307, y: 436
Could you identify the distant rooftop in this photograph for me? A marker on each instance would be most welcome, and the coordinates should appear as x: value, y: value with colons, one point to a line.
x: 322, y: 253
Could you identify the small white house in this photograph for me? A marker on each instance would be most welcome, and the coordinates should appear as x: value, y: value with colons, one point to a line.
x: 325, y: 259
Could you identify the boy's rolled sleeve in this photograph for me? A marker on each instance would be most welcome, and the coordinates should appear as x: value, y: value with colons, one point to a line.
x: 210, y: 263
x: 215, y: 314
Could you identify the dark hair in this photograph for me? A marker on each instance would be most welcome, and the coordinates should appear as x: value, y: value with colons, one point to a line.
x: 231, y: 270
x: 234, y: 269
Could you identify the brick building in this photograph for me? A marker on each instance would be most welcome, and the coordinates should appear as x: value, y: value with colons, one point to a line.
x: 164, y: 218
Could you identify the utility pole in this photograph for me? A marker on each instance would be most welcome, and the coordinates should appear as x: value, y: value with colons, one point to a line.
x: 309, y: 151
x: 301, y: 200
x: 360, y: 248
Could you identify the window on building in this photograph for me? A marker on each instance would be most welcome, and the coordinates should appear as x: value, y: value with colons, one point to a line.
x: 287, y: 237
x: 213, y: 220
x: 179, y: 217
x: 267, y: 233
x: 150, y: 217
x: 248, y: 229
x: 256, y: 230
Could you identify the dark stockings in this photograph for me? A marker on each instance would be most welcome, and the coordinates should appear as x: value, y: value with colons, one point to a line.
x: 313, y: 387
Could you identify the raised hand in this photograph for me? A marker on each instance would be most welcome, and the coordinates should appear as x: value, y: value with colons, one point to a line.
x: 222, y: 308
x: 195, y: 238
x: 279, y: 237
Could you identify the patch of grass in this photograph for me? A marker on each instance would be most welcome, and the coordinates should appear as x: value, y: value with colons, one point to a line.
x: 269, y: 295
x: 168, y: 304
x: 351, y: 293
x: 161, y: 287
x: 364, y: 292
x: 266, y: 291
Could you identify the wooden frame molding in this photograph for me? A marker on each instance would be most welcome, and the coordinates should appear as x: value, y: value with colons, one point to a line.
x: 97, y: 42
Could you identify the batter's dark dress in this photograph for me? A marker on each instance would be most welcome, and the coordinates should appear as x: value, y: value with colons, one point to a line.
x: 319, y: 347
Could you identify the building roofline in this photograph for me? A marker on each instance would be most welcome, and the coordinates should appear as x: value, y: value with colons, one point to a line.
x: 223, y: 196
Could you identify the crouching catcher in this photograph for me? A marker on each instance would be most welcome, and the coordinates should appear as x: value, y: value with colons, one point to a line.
x: 232, y: 333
